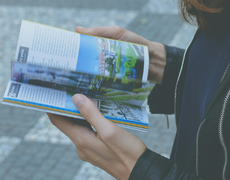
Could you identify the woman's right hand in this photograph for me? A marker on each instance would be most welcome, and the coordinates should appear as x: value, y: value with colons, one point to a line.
x: 157, y: 53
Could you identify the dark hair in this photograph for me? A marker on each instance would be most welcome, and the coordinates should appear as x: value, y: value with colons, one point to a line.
x: 212, y: 16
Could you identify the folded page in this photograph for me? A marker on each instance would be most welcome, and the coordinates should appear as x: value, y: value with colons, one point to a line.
x: 60, y: 102
x: 94, y: 86
x: 53, y: 47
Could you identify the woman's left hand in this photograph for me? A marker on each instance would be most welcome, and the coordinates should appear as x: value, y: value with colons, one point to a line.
x: 111, y: 148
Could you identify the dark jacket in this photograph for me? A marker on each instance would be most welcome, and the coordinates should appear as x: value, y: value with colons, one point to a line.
x: 210, y: 157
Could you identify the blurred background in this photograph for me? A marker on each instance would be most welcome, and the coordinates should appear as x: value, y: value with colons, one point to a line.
x: 30, y: 147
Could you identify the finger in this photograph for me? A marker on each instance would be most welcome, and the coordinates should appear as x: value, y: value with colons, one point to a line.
x: 114, y: 32
x: 80, y: 122
x: 66, y: 125
x: 91, y: 113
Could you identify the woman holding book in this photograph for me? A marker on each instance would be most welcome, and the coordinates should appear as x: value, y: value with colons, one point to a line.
x: 193, y: 83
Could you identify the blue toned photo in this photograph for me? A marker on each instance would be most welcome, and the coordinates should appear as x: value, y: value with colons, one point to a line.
x: 88, y: 52
x: 110, y: 58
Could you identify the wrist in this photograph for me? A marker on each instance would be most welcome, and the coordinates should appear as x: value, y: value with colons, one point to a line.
x: 157, y: 61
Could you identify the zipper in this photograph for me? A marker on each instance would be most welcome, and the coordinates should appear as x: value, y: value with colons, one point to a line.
x: 225, y: 72
x: 197, y: 146
x: 221, y: 136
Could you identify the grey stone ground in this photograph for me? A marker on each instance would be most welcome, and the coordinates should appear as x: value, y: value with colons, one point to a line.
x: 30, y: 147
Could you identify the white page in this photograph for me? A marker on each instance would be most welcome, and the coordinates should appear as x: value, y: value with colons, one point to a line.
x: 36, y: 94
x: 60, y: 102
x: 48, y: 46
x: 123, y: 110
x: 53, y: 47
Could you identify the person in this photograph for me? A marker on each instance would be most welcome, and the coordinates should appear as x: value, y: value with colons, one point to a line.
x: 193, y: 83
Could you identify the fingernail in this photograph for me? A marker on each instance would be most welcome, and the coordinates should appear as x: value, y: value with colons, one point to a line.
x: 81, y: 28
x: 78, y: 100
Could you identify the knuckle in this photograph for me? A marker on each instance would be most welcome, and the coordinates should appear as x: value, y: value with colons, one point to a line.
x: 96, y: 161
x: 118, y: 28
x: 88, y: 113
x: 81, y: 155
x: 93, y: 31
x: 80, y: 143
x: 109, y: 134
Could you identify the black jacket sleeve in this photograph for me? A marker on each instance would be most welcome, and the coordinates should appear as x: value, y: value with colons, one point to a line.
x: 152, y: 166
x: 161, y: 99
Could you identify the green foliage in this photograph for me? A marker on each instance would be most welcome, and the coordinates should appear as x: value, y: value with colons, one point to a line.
x: 107, y: 90
x: 114, y: 80
x: 116, y: 93
x: 125, y: 80
x: 109, y: 64
x: 117, y: 70
x: 113, y: 47
x: 141, y: 97
x: 111, y: 72
x: 127, y: 98
x: 100, y: 97
x: 94, y: 88
x: 131, y: 61
x: 128, y: 65
x: 108, y: 61
x: 70, y: 93
x: 118, y: 59
x: 131, y: 55
x: 107, y: 78
x: 128, y: 72
x: 146, y: 89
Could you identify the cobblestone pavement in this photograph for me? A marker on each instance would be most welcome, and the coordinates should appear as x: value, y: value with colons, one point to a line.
x: 30, y: 147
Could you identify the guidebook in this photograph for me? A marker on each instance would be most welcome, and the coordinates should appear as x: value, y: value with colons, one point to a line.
x: 52, y: 64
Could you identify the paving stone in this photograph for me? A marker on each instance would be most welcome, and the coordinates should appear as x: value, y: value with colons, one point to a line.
x: 156, y: 27
x: 16, y: 121
x: 10, y: 178
x: 89, y: 4
x: 2, y: 172
x: 44, y: 131
x: 184, y: 36
x: 90, y: 172
x: 38, y: 176
x: 7, y: 144
x: 49, y: 167
x: 161, y: 7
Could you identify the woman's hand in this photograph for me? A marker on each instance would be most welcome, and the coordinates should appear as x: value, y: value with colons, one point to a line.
x: 157, y: 52
x: 111, y: 148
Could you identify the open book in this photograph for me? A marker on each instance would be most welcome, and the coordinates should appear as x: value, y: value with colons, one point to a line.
x: 52, y: 64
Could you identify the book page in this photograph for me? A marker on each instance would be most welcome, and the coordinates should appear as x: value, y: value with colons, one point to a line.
x: 121, y: 110
x: 60, y: 102
x: 53, y: 47
x: 40, y: 98
x: 47, y: 46
x: 36, y: 94
x: 93, y: 86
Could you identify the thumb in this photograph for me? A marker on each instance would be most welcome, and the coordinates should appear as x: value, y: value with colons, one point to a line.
x: 91, y: 113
